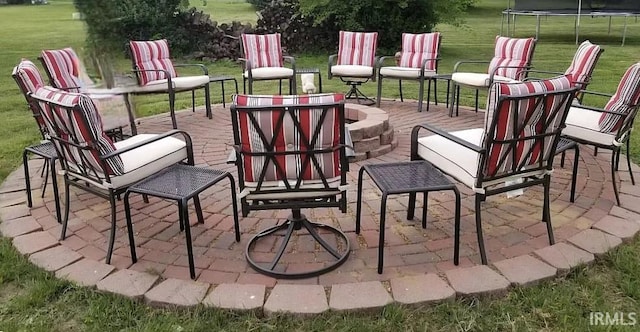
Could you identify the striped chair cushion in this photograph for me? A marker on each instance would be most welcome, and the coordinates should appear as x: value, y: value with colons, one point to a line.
x: 152, y: 55
x: 84, y: 125
x: 583, y: 63
x: 262, y: 50
x: 357, y: 48
x: 500, y: 117
x: 289, y: 137
x: 419, y: 47
x: 513, y: 52
x: 625, y: 99
x: 65, y: 69
x: 29, y: 80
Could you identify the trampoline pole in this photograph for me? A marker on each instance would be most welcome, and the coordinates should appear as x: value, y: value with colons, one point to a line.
x: 578, y: 21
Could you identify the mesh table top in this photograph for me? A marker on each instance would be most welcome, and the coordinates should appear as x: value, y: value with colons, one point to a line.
x: 564, y: 144
x: 408, y: 176
x: 45, y: 150
x: 178, y: 182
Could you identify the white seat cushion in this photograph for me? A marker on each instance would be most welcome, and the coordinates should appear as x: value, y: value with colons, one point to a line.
x: 405, y: 72
x: 478, y: 79
x: 179, y: 83
x: 455, y: 159
x: 351, y: 71
x: 269, y: 73
x: 583, y: 124
x: 148, y: 159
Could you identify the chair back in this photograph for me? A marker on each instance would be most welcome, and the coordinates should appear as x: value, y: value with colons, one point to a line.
x: 523, y: 124
x: 624, y: 105
x: 583, y: 63
x: 291, y: 144
x: 512, y: 57
x: 65, y: 70
x: 418, y: 48
x: 75, y: 128
x: 151, y: 60
x: 262, y: 50
x: 28, y: 78
x: 357, y: 48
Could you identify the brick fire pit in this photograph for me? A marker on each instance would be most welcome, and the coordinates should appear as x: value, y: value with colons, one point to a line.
x: 371, y: 133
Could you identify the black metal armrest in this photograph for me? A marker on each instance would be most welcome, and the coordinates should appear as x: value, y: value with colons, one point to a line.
x: 598, y: 109
x: 382, y: 59
x: 455, y: 68
x: 291, y: 60
x: 424, y: 64
x: 204, y: 69
x: 414, y: 139
x: 332, y: 59
x: 493, y: 72
x: 595, y: 93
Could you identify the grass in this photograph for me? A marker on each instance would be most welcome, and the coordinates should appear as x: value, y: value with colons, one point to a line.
x: 33, y: 300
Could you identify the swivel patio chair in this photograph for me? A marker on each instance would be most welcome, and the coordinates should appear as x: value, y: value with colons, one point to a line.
x: 608, y: 127
x: 512, y: 56
x: 262, y: 60
x: 156, y: 74
x: 418, y: 60
x: 89, y: 158
x: 290, y: 154
x: 355, y: 62
x: 513, y: 150
x: 67, y: 72
x: 28, y: 78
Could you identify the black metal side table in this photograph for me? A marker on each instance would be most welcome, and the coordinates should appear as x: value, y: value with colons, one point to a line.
x: 47, y: 151
x: 181, y: 183
x: 407, y: 177
x: 563, y: 145
x: 221, y: 80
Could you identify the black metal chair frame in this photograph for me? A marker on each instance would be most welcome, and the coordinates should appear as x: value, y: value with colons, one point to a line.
x: 296, y: 220
x: 623, y: 136
x: 543, y: 166
x: 421, y: 79
x: 84, y: 175
x: 171, y: 90
x: 355, y: 81
x: 247, y: 67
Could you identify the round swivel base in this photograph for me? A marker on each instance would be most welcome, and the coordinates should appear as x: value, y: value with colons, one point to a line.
x: 294, y: 223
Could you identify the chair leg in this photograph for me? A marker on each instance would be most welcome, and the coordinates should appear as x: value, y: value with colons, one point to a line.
x: 483, y: 254
x: 27, y: 179
x: 400, y: 88
x: 477, y: 92
x: 132, y: 241
x: 65, y: 220
x: 428, y: 93
x: 379, y: 93
x: 435, y: 91
x: 193, y: 101
x: 613, y: 177
x: 207, y: 101
x: 574, y: 177
x: 112, y: 233
x: 633, y: 181
x: 547, y: 209
x: 421, y: 95
x: 172, y: 109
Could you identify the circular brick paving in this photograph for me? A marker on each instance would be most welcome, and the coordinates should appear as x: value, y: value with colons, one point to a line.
x: 418, y: 262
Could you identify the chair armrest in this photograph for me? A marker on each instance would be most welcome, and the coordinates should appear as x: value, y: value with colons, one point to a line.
x: 332, y: 59
x: 531, y: 70
x: 459, y: 63
x: 381, y: 60
x: 424, y: 64
x: 598, y: 109
x: 493, y: 72
x: 439, y: 132
x: 184, y: 134
x: 595, y: 93
x: 204, y: 69
x: 290, y: 59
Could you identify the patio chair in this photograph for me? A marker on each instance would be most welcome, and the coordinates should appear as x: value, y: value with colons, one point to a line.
x: 67, y: 72
x: 418, y: 60
x: 28, y: 78
x: 512, y: 56
x: 290, y: 154
x: 355, y: 62
x: 91, y: 161
x: 581, y: 68
x: 262, y: 60
x: 513, y: 150
x: 156, y: 74
x: 608, y: 127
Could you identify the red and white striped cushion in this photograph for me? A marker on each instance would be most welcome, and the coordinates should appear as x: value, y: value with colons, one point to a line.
x: 583, y: 63
x: 289, y: 137
x: 65, y: 69
x: 152, y: 55
x: 262, y: 50
x: 513, y: 52
x: 84, y: 124
x: 625, y: 99
x: 357, y: 48
x: 418, y: 47
x: 29, y: 76
x: 504, y: 126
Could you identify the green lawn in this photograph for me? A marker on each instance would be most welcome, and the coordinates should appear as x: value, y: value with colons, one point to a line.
x: 33, y: 300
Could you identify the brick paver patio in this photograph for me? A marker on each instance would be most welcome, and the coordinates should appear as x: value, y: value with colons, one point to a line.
x: 514, y: 233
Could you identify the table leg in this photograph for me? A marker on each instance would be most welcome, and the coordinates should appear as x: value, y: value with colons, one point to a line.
x: 424, y: 209
x: 359, y: 201
x: 456, y: 237
x: 132, y: 243
x: 184, y: 219
x: 383, y: 211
